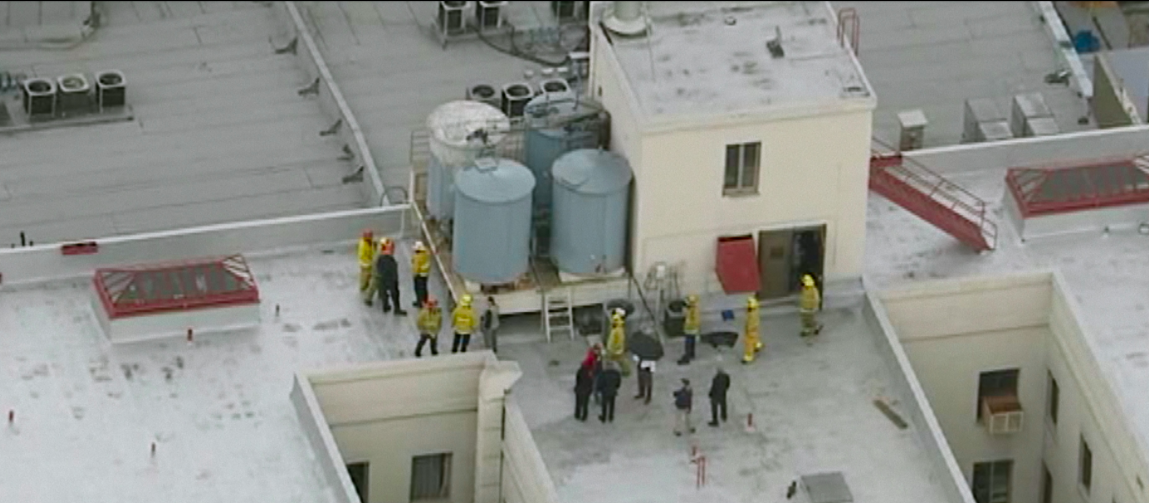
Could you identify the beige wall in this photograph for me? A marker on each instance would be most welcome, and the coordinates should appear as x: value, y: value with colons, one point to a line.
x: 953, y: 330
x: 389, y: 412
x: 1111, y: 104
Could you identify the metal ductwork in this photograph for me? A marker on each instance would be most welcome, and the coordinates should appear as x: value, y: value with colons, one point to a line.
x: 626, y: 19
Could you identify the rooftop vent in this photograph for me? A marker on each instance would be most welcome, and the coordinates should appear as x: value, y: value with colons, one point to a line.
x: 775, y: 46
x: 451, y: 21
x: 484, y: 93
x: 73, y: 96
x: 39, y: 97
x: 515, y: 98
x: 626, y: 19
x: 110, y: 90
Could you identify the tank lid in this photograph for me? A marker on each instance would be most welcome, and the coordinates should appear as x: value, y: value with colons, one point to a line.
x: 456, y: 123
x: 592, y: 171
x: 495, y: 181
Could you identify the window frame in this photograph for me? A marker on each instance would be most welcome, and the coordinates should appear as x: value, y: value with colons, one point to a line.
x: 993, y: 471
x: 742, y: 168
x: 997, y: 389
x: 445, y: 460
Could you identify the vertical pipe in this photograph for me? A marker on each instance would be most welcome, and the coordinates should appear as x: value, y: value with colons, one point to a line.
x: 23, y: 240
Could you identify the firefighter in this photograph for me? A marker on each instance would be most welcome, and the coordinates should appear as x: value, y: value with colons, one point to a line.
x: 366, y: 264
x: 751, y: 342
x: 809, y: 304
x: 463, y: 319
x: 429, y: 321
x: 616, y: 343
x: 691, y: 328
x: 387, y: 278
x: 420, y: 270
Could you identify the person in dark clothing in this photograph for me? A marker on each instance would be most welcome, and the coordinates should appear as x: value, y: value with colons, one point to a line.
x: 609, y: 381
x: 718, y: 387
x: 584, y: 385
x: 387, y: 277
x: 645, y: 379
x: 684, y: 404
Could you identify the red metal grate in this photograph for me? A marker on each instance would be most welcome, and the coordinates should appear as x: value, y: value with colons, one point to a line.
x: 1062, y: 189
x: 176, y: 286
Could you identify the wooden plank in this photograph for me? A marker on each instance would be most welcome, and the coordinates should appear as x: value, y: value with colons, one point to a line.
x: 888, y: 411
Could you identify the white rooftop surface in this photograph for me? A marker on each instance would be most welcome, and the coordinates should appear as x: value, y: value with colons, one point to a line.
x: 220, y: 133
x: 224, y: 425
x: 394, y: 72
x: 17, y: 14
x: 1107, y: 275
x: 704, y: 65
x: 812, y: 408
x: 934, y: 56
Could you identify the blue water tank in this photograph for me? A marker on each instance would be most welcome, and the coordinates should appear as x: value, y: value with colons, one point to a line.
x: 589, y: 222
x: 549, y: 136
x: 492, y: 229
x: 458, y: 133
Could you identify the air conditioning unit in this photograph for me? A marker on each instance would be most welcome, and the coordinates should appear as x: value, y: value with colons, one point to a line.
x: 565, y: 11
x: 555, y: 88
x: 486, y: 94
x: 451, y: 18
x: 110, y: 89
x: 515, y: 97
x: 1002, y: 415
x: 74, y: 95
x: 488, y: 14
x: 39, y: 98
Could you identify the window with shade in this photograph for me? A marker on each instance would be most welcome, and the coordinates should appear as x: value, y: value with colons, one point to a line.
x: 991, y: 481
x: 742, y: 164
x: 431, y: 477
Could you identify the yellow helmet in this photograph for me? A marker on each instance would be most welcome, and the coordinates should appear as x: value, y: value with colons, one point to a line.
x: 465, y: 300
x: 807, y: 280
x: 692, y: 299
x: 616, y: 318
x: 752, y: 302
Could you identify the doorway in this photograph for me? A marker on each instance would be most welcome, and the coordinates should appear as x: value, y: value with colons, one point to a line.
x: 785, y: 255
x: 358, y: 474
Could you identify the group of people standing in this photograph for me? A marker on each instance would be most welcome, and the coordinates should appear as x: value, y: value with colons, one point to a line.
x: 599, y: 377
x: 379, y: 275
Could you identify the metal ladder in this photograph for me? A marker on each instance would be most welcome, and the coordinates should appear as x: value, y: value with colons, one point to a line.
x: 558, y: 313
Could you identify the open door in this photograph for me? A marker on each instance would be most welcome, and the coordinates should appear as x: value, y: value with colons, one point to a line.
x: 775, y: 254
x: 809, y: 256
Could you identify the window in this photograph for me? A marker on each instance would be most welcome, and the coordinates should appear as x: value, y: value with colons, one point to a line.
x: 998, y: 383
x: 1054, y: 398
x: 1046, y: 484
x: 1086, y: 465
x: 742, y: 160
x: 358, y: 473
x: 991, y: 481
x: 430, y: 477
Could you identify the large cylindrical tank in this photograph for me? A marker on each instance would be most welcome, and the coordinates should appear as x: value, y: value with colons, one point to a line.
x: 588, y: 225
x: 459, y: 133
x: 551, y: 135
x: 492, y: 229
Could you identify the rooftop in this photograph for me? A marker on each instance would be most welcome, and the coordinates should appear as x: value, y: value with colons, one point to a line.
x: 712, y: 57
x: 812, y: 405
x: 934, y: 56
x: 1107, y: 274
x: 217, y: 409
x: 394, y: 72
x: 219, y: 132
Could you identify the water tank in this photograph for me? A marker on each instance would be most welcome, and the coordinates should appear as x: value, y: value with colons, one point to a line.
x: 588, y: 225
x: 553, y: 132
x: 459, y: 133
x: 492, y: 230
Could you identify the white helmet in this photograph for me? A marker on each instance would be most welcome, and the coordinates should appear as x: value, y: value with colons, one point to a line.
x: 419, y: 246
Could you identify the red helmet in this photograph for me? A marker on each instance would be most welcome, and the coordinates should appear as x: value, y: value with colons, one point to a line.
x: 368, y: 234
x: 431, y: 302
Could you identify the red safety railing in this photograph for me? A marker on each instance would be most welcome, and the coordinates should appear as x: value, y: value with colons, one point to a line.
x: 1093, y: 184
x: 176, y: 286
x: 909, y: 177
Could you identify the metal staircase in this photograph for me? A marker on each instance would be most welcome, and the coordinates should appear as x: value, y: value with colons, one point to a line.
x: 932, y: 198
x: 558, y: 313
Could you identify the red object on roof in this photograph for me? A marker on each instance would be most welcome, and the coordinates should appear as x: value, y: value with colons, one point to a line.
x: 737, y: 264
x: 1099, y: 184
x: 176, y: 286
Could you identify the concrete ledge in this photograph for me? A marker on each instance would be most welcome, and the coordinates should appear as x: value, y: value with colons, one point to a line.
x: 318, y: 434
x: 331, y: 100
x: 176, y: 324
x: 1121, y: 218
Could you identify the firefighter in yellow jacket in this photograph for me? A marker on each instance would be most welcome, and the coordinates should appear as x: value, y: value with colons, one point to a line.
x: 616, y: 343
x: 429, y: 322
x: 808, y: 305
x: 366, y: 262
x: 691, y: 329
x: 751, y: 342
x: 420, y: 271
x: 463, y: 318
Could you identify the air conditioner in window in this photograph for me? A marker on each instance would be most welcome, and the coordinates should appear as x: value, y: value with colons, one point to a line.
x: 1002, y: 415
